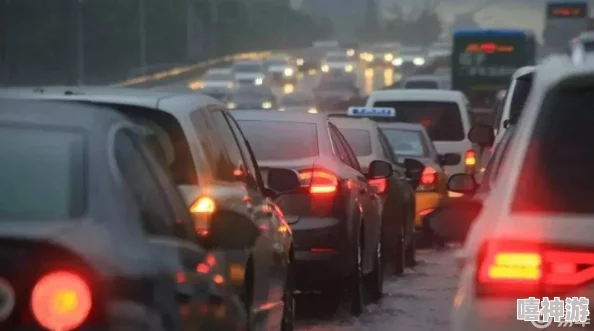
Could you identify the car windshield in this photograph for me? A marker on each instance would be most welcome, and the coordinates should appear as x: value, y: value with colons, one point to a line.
x: 247, y: 67
x: 520, y: 96
x: 275, y: 140
x: 588, y: 46
x: 407, y: 142
x: 360, y: 140
x: 421, y: 84
x: 42, y: 174
x: 556, y: 176
x: 441, y: 119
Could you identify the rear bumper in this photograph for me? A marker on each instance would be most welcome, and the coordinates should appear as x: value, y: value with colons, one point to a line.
x: 425, y: 202
x: 322, y: 250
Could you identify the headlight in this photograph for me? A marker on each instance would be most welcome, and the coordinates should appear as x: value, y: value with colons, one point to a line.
x: 325, y: 68
x: 312, y: 111
x: 230, y: 85
x: 231, y: 105
x: 370, y: 57
x: 281, y: 109
x: 348, y: 68
x: 388, y: 57
x: 197, y: 85
x: 288, y: 72
x: 419, y: 61
x: 397, y: 62
x: 350, y: 52
x: 300, y: 62
x: 259, y: 81
x: 266, y: 104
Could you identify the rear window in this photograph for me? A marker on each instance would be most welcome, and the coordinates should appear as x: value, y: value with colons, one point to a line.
x: 42, y: 174
x: 519, y: 97
x: 276, y: 140
x: 421, y: 84
x: 406, y: 142
x: 557, y: 175
x: 441, y: 119
x: 589, y: 46
x: 360, y: 140
x: 168, y: 140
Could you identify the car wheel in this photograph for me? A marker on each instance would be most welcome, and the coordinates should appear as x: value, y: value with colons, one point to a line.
x: 410, y: 255
x: 289, y: 300
x: 355, y: 285
x: 398, y: 253
x: 376, y: 278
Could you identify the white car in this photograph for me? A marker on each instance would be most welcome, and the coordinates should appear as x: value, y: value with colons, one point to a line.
x: 434, y: 82
x: 533, y: 233
x: 216, y: 78
x: 443, y: 113
x: 338, y: 62
x: 249, y: 72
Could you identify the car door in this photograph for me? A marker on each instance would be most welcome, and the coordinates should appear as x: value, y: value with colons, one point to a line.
x: 171, y: 240
x: 366, y: 195
x: 263, y: 251
x: 279, y: 236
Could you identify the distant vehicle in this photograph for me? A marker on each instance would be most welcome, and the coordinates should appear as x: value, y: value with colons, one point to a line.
x: 381, y: 54
x: 335, y: 90
x: 281, y: 68
x: 338, y: 63
x: 409, y: 58
x: 215, y: 82
x: 249, y: 72
x: 299, y: 102
x: 563, y: 21
x: 444, y: 114
x: 87, y: 190
x: 335, y: 215
x: 439, y: 49
x: 252, y: 98
x: 412, y: 141
x: 484, y: 60
x: 427, y: 82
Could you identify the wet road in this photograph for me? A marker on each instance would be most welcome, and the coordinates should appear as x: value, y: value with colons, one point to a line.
x: 418, y: 301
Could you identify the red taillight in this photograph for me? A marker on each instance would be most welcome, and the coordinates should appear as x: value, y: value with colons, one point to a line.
x: 519, y: 269
x: 319, y: 181
x: 428, y: 179
x: 489, y: 47
x: 470, y: 158
x: 380, y: 185
x: 61, y: 301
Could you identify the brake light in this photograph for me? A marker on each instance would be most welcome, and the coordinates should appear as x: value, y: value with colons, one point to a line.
x: 519, y: 269
x: 428, y: 179
x: 470, y: 158
x: 319, y: 181
x: 61, y: 301
x: 380, y: 185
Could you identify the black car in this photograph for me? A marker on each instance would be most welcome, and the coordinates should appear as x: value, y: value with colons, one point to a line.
x: 107, y: 239
x: 335, y: 214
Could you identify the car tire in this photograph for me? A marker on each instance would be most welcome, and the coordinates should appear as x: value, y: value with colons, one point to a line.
x: 399, y: 250
x: 410, y: 254
x: 355, y: 287
x: 375, y: 280
x: 289, y: 300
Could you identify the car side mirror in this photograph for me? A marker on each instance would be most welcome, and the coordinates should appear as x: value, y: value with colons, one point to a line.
x: 452, y: 221
x: 482, y: 135
x: 463, y: 183
x: 413, y: 169
x: 282, y: 181
x: 379, y: 169
x: 450, y: 159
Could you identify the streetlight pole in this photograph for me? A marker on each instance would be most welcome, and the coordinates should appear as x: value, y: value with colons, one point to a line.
x: 80, y: 42
x: 189, y: 28
x: 214, y: 19
x: 142, y: 35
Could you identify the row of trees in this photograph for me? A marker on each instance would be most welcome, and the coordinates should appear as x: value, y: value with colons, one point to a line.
x: 102, y: 41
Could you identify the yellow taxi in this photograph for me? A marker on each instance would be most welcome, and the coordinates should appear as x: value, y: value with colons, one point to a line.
x: 412, y: 141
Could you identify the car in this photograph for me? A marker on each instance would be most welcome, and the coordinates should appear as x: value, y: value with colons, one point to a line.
x: 396, y: 192
x: 281, y: 69
x: 444, y: 114
x: 334, y: 215
x: 412, y: 141
x: 380, y: 54
x: 531, y: 236
x: 427, y: 82
x: 252, y: 97
x: 299, y: 102
x: 216, y: 82
x: 212, y: 165
x: 108, y: 240
x: 410, y: 58
x: 333, y: 90
x: 338, y: 63
x: 249, y: 72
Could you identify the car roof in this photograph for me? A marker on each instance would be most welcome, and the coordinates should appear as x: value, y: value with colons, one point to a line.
x: 113, y: 95
x: 402, y: 126
x: 34, y: 112
x: 416, y: 95
x: 276, y: 116
x: 353, y: 123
